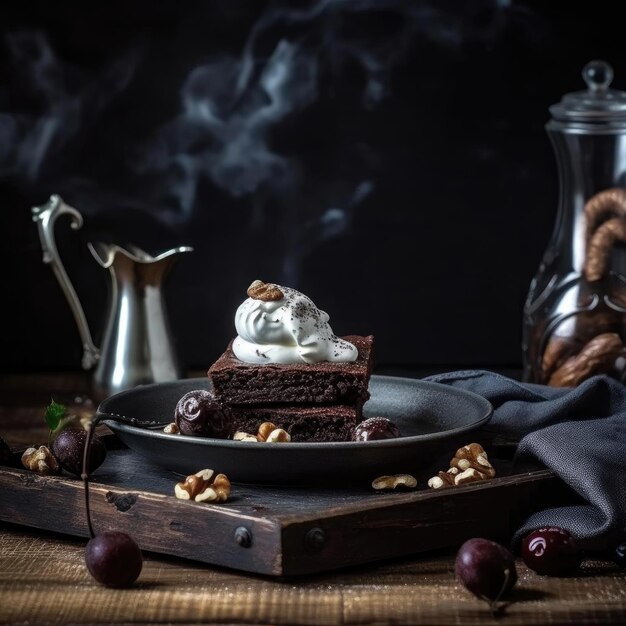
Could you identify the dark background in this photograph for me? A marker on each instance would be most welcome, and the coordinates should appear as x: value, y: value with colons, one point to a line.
x: 386, y: 158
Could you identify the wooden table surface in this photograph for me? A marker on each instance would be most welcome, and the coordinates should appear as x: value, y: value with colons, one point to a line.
x: 43, y: 579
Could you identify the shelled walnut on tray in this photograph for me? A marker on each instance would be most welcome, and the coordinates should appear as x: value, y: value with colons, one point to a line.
x: 470, y: 464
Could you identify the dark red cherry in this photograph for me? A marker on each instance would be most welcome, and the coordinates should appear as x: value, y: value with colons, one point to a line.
x: 374, y: 428
x: 485, y: 568
x: 551, y: 551
x: 113, y: 559
x: 68, y: 450
x: 199, y: 414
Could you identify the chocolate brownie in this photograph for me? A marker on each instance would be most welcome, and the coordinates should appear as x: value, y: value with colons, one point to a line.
x: 237, y: 383
x: 303, y: 423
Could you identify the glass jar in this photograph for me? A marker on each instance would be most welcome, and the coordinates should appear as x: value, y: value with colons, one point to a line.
x: 575, y: 313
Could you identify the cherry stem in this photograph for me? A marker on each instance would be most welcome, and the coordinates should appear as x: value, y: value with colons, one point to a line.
x: 91, y: 429
x: 493, y: 604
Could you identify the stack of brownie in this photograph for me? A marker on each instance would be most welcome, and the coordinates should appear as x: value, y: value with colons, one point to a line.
x: 312, y: 402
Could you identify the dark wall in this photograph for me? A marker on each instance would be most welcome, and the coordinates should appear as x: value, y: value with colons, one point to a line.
x: 387, y: 158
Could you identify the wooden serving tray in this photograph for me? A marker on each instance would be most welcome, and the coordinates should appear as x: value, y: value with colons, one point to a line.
x: 276, y: 531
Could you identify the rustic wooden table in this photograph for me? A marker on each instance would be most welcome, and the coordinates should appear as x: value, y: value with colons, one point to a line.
x: 43, y: 579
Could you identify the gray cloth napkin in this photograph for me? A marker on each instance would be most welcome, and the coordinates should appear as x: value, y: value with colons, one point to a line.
x: 580, y: 434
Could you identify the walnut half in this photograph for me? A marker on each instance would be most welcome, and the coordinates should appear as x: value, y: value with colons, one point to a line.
x: 268, y: 432
x: 40, y: 460
x: 266, y: 292
x: 473, y: 457
x: 204, y: 486
x: 469, y: 465
x: 392, y: 482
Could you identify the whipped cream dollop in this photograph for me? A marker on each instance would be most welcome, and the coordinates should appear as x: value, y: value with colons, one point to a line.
x: 281, y: 325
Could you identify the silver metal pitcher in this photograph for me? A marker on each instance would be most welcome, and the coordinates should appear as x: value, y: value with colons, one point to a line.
x: 137, y: 347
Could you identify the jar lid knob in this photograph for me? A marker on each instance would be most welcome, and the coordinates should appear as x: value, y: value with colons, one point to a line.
x: 598, y: 76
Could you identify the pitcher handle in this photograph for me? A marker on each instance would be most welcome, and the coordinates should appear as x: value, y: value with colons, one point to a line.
x: 45, y: 216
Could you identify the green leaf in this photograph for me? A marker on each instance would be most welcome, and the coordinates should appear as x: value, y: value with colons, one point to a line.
x: 54, y: 413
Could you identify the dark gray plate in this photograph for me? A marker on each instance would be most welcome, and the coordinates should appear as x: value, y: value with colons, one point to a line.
x: 431, y: 418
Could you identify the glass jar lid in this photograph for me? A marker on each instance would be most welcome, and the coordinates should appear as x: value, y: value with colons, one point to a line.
x: 598, y: 104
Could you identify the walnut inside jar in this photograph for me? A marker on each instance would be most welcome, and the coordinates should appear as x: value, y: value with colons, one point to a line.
x: 597, y: 357
x: 573, y: 334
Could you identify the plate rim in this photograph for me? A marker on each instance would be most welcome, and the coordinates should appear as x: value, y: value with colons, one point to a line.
x: 304, y: 445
